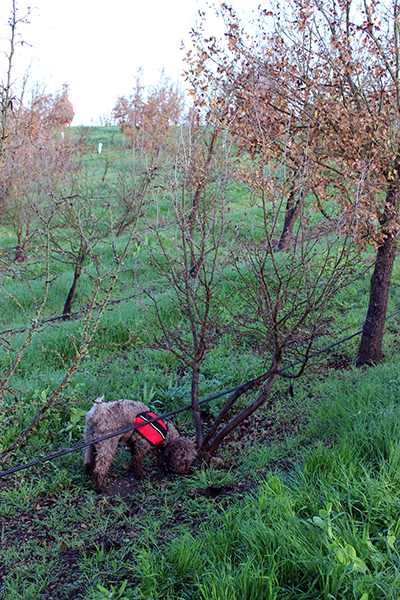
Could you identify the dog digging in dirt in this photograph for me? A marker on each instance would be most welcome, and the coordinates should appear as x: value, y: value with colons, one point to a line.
x: 177, y: 453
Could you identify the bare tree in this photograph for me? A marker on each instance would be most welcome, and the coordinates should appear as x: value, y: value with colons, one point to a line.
x: 103, y: 280
x: 284, y: 299
x: 81, y: 223
x: 195, y: 229
x: 7, y: 98
x: 280, y: 298
x: 38, y: 162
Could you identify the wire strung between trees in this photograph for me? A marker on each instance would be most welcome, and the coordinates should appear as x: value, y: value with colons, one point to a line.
x: 110, y: 302
x: 40, y: 461
x: 84, y: 310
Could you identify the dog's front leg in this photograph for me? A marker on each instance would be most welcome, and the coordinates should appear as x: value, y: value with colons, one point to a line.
x: 138, y: 449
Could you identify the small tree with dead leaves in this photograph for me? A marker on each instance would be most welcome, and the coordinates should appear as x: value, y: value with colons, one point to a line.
x: 319, y: 83
x: 148, y: 118
x: 39, y: 161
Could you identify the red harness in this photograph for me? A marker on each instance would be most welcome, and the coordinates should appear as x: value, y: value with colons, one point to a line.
x: 154, y: 432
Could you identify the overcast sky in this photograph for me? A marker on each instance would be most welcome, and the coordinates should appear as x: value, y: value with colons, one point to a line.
x: 96, y: 46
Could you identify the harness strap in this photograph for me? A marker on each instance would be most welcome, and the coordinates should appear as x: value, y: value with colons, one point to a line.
x: 154, y: 432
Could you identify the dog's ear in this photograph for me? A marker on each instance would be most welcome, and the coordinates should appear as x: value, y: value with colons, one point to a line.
x: 99, y: 400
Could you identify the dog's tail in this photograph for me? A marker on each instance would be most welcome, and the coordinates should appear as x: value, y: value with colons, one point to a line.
x: 99, y: 400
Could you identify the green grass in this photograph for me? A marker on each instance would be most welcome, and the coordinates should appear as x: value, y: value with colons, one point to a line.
x: 301, y: 502
x: 328, y: 526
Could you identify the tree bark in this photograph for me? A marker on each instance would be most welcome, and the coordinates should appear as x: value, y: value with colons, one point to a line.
x: 249, y: 410
x: 195, y: 264
x: 77, y: 274
x: 19, y: 250
x: 2, y: 207
x: 195, y: 402
x: 19, y: 257
x: 292, y: 212
x: 370, y: 349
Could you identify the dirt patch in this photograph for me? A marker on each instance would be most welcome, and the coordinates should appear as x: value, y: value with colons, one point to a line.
x: 123, y: 487
x: 339, y: 361
x: 215, y: 491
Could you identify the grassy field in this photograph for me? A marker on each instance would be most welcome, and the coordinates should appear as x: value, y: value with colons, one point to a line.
x: 300, y: 502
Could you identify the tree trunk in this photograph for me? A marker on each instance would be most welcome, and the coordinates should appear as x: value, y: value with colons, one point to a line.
x: 2, y: 207
x: 19, y: 250
x: 370, y: 349
x: 19, y: 255
x: 71, y: 294
x: 195, y: 263
x: 195, y: 403
x: 207, y: 452
x: 292, y: 212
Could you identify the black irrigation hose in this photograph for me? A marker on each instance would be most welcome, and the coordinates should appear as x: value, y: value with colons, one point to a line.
x: 110, y: 435
x: 171, y: 413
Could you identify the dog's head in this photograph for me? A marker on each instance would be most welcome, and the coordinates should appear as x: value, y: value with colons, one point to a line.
x: 178, y: 455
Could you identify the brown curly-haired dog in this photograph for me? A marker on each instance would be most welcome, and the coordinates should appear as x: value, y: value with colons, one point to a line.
x: 177, y: 453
